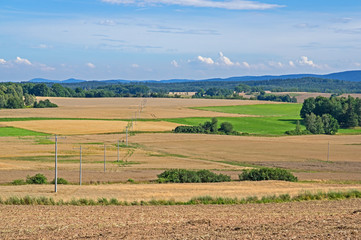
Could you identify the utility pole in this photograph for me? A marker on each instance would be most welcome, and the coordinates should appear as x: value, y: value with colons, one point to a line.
x: 56, y: 163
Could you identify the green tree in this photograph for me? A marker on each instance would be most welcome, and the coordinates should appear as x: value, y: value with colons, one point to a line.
x: 314, y: 123
x: 330, y: 124
x: 214, y: 125
x: 307, y: 107
x: 29, y: 100
x: 226, y: 127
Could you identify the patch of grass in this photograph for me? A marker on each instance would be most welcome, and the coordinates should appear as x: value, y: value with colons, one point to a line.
x: 241, y: 164
x: 166, y: 155
x: 16, y: 132
x: 290, y: 110
x: 252, y: 125
x: 43, y: 141
x: 18, y: 182
x: 204, y: 200
x: 351, y: 131
x: 92, y: 143
x: 47, y: 158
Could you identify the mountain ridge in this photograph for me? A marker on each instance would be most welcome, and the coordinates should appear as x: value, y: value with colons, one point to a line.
x: 352, y: 76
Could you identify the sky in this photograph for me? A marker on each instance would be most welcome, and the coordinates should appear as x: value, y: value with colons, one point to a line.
x: 176, y: 39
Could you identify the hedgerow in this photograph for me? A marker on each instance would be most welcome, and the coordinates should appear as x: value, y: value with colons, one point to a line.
x: 267, y: 174
x: 188, y: 176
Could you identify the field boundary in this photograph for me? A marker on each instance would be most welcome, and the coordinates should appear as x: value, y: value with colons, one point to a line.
x: 203, y: 200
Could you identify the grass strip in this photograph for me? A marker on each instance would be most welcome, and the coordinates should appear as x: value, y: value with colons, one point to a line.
x: 19, y: 132
x: 205, y: 200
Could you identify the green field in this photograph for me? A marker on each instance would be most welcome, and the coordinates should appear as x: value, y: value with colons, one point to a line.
x: 18, y: 132
x: 280, y: 110
x: 274, y: 119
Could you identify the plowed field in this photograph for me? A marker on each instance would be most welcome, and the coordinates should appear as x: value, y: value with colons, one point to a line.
x: 299, y: 220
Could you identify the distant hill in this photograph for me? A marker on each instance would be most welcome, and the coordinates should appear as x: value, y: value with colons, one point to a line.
x: 43, y: 80
x: 352, y: 76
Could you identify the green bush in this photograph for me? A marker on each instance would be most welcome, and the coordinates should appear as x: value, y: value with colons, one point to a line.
x: 187, y: 176
x: 267, y: 174
x: 36, y: 179
x: 18, y: 182
x: 60, y: 181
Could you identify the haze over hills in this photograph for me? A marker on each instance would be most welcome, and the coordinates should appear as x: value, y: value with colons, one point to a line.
x: 352, y: 76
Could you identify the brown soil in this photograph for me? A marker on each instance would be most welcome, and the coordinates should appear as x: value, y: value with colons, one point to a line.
x: 300, y: 220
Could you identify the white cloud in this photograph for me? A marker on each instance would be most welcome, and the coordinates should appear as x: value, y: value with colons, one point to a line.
x: 2, y: 61
x: 134, y: 65
x: 246, y: 65
x: 291, y: 63
x: 276, y: 64
x: 91, y: 65
x: 25, y: 61
x: 206, y: 60
x: 306, y: 62
x: 229, y: 4
x: 174, y: 63
x: 226, y: 61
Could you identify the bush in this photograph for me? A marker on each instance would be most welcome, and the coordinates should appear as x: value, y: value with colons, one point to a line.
x: 267, y: 174
x: 187, y: 176
x: 36, y: 179
x: 44, y: 104
x: 18, y: 182
x: 60, y: 181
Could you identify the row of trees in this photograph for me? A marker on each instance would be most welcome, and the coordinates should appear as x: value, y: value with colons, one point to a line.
x: 347, y: 111
x: 12, y: 96
x: 209, y: 127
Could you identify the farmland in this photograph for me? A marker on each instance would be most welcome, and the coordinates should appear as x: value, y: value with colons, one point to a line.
x: 98, y: 125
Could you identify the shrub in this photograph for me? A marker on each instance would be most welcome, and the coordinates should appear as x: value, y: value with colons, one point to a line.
x: 36, y: 179
x: 267, y: 174
x: 44, y: 104
x: 18, y: 182
x: 130, y: 180
x: 187, y: 176
x: 60, y: 181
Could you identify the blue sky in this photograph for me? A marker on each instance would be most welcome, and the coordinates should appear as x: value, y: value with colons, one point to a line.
x: 165, y: 39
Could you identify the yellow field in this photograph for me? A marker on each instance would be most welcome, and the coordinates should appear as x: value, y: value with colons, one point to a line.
x: 126, y: 108
x: 178, y: 192
x: 74, y: 127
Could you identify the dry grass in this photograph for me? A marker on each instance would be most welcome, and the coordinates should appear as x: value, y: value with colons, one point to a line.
x: 74, y: 127
x: 178, y: 192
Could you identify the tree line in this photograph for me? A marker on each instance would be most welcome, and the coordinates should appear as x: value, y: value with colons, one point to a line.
x: 12, y: 96
x: 326, y: 115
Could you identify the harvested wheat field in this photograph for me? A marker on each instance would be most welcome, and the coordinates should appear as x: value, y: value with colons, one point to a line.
x: 151, y: 153
x: 175, y: 191
x: 298, y: 220
x: 74, y: 127
x: 126, y: 108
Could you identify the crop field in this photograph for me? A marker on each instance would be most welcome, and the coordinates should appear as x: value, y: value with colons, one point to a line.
x: 129, y: 172
x: 263, y: 119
